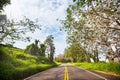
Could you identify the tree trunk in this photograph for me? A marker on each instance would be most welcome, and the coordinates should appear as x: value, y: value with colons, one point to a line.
x: 111, y: 56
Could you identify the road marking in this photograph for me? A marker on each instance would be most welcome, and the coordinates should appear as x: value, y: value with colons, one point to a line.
x: 94, y: 74
x: 66, y: 77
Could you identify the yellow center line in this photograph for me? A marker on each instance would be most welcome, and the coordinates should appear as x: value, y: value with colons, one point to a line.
x: 66, y: 73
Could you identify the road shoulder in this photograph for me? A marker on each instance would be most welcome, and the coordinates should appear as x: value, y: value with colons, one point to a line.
x: 109, y: 76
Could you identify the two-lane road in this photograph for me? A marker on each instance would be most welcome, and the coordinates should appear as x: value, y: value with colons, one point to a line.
x: 66, y: 72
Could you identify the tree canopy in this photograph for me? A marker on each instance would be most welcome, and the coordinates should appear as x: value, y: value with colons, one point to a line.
x: 94, y: 24
x: 50, y: 48
x: 15, y: 30
x: 75, y: 52
x: 4, y: 3
x: 42, y: 49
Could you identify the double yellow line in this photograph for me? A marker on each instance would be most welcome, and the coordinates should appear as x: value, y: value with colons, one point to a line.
x: 66, y: 73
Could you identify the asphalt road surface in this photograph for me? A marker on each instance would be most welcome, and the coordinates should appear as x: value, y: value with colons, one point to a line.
x: 66, y: 72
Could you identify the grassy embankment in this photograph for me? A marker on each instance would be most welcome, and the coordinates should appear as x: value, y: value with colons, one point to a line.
x: 106, y: 67
x: 16, y: 65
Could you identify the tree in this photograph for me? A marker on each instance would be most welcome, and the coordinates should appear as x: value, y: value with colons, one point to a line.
x: 42, y: 50
x: 15, y: 30
x: 94, y: 23
x: 32, y: 48
x: 76, y: 53
x: 60, y: 58
x: 50, y: 48
x: 3, y: 3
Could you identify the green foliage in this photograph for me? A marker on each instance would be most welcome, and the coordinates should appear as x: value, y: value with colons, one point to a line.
x: 68, y: 10
x: 6, y: 70
x: 75, y: 52
x: 12, y: 32
x: 73, y: 7
x: 61, y: 58
x: 107, y: 67
x: 32, y: 49
x: 32, y: 69
x: 89, y: 22
x: 74, y: 0
x: 16, y: 65
x: 50, y: 48
x: 42, y: 50
x: 4, y: 3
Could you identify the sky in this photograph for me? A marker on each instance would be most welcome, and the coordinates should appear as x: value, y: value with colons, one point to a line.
x: 47, y: 11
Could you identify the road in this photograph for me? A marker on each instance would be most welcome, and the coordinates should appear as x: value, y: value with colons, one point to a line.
x: 67, y: 72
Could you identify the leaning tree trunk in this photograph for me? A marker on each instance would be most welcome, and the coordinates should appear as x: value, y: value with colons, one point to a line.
x: 111, y: 56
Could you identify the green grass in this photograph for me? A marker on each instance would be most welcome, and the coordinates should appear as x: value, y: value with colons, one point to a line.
x: 16, y: 65
x: 106, y: 67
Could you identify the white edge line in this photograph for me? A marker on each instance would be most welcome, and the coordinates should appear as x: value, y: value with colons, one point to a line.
x: 94, y: 74
x: 31, y: 76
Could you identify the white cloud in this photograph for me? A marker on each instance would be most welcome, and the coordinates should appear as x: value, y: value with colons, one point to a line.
x: 47, y: 11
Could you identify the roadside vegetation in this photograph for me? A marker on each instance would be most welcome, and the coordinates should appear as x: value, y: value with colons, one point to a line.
x: 93, y: 35
x: 93, y: 28
x: 101, y: 66
x: 16, y: 65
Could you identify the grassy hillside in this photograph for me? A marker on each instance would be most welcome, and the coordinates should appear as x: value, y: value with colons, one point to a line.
x: 15, y: 64
x: 107, y: 67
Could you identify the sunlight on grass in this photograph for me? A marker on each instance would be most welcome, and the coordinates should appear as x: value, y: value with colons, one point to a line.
x: 107, y: 67
x: 15, y: 64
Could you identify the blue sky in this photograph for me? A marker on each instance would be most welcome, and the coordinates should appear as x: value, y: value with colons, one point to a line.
x: 47, y: 11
